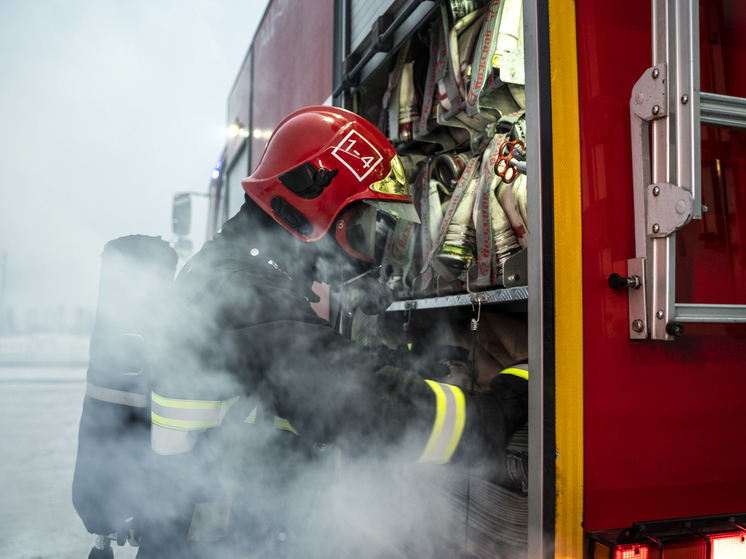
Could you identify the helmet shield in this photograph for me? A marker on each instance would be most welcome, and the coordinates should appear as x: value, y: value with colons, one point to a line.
x: 395, y: 182
x: 356, y: 232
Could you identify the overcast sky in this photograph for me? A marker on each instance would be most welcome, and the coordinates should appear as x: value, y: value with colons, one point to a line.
x: 106, y: 109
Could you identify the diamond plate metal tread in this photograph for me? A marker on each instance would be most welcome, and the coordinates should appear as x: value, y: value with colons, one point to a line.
x: 508, y: 295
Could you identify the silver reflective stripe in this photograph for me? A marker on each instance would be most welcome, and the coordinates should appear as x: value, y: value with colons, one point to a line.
x: 449, y: 425
x: 116, y: 396
x: 167, y: 442
x: 214, y: 415
x: 189, y: 414
x: 175, y: 423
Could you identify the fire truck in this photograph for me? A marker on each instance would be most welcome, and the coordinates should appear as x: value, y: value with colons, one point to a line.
x: 629, y: 120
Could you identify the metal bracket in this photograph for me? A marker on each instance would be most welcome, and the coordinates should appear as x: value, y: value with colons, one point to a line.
x: 636, y: 300
x: 649, y: 94
x: 515, y: 269
x: 647, y: 102
x: 669, y: 208
x: 480, y: 297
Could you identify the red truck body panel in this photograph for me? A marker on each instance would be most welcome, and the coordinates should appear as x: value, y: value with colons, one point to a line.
x: 292, y: 52
x: 663, y: 420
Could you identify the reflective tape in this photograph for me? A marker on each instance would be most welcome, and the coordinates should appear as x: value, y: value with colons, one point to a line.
x: 167, y: 442
x: 116, y: 396
x: 188, y: 415
x: 516, y: 370
x: 252, y: 416
x: 284, y: 424
x: 176, y: 423
x: 279, y: 422
x: 450, y: 416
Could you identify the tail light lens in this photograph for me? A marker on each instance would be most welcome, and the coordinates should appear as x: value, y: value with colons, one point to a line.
x: 727, y: 545
x: 633, y: 551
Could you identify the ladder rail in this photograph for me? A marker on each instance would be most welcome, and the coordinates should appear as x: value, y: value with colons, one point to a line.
x: 722, y: 111
x: 693, y: 312
x: 667, y: 172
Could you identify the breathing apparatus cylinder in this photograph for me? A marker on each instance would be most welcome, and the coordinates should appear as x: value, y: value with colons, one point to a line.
x: 109, y: 484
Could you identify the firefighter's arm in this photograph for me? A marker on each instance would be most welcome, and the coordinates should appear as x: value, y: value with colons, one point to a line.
x: 330, y: 387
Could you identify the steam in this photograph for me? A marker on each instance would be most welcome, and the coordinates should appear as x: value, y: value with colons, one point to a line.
x: 107, y: 110
x: 348, y: 485
x: 86, y: 88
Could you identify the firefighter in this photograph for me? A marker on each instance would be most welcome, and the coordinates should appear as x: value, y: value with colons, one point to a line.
x: 251, y: 385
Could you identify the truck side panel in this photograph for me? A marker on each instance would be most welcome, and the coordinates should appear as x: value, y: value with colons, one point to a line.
x: 292, y: 64
x: 663, y: 420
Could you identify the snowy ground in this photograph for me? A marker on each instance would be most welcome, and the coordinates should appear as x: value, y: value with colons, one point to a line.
x: 39, y: 413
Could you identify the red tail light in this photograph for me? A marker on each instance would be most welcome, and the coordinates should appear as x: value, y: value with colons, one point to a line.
x: 728, y: 546
x: 682, y: 545
x: 633, y: 551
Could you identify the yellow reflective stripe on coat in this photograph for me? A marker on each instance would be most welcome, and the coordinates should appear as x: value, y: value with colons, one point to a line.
x: 188, y: 415
x: 450, y: 415
x: 516, y: 370
x: 252, y: 417
x: 281, y: 423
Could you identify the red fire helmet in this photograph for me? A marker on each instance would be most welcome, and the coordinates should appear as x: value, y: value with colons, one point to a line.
x: 320, y: 160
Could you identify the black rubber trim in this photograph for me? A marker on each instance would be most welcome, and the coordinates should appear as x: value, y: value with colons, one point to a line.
x: 548, y: 275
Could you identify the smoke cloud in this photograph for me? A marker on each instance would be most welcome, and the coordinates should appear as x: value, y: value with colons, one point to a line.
x: 106, y: 111
x: 341, y: 481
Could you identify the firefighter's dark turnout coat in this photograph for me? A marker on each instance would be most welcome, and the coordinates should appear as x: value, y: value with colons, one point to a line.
x: 251, y: 386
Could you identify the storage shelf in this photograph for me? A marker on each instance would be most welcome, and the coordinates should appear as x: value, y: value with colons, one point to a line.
x: 508, y: 295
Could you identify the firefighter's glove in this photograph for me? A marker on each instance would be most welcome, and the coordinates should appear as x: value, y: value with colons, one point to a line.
x: 427, y: 364
x: 493, y: 417
x: 371, y: 296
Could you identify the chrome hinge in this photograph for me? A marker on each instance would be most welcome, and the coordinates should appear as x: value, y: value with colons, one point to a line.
x: 669, y: 208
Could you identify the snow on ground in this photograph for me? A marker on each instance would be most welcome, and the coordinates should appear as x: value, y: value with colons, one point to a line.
x: 39, y: 411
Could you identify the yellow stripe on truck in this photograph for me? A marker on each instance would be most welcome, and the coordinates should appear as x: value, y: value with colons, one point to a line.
x: 568, y: 295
